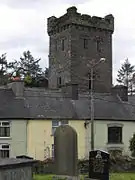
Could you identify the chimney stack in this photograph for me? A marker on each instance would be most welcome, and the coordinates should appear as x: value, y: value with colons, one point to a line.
x: 70, y: 90
x: 121, y: 91
x: 17, y: 88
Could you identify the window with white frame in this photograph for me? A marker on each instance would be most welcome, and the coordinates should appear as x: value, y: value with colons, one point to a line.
x: 4, y: 129
x: 114, y: 134
x: 57, y: 123
x: 4, y: 150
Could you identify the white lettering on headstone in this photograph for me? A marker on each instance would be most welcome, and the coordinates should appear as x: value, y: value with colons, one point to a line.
x: 98, y: 164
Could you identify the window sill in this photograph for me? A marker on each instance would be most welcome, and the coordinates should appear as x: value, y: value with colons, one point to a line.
x: 114, y: 143
x: 5, y: 137
x: 119, y: 145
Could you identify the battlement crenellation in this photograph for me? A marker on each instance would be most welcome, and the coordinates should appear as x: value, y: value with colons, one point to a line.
x: 56, y: 25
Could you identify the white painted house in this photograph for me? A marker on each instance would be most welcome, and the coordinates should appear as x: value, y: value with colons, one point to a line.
x: 112, y: 136
x: 114, y: 122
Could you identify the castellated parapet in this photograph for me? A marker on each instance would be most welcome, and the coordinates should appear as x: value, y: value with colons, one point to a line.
x: 56, y: 25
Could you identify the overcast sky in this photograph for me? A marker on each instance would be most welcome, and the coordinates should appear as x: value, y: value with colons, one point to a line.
x: 23, y: 26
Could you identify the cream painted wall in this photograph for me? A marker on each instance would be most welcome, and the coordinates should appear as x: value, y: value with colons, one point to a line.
x: 101, y: 134
x: 79, y: 127
x: 40, y: 138
x: 18, y: 138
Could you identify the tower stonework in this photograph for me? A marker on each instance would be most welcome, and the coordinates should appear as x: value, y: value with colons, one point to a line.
x: 76, y: 42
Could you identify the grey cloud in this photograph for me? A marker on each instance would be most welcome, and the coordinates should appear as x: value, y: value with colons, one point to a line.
x: 44, y: 48
x: 30, y: 4
x: 122, y: 49
x: 14, y: 48
x: 23, y: 4
x: 33, y: 38
x: 75, y: 1
x: 17, y: 43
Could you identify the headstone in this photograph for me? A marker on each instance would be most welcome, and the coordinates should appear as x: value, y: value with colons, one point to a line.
x: 14, y: 169
x: 66, y: 153
x: 99, y: 162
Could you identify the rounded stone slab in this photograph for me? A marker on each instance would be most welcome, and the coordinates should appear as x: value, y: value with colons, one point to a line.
x: 65, y: 151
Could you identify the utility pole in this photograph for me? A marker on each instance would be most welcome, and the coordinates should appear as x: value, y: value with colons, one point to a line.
x: 92, y: 109
x: 92, y: 100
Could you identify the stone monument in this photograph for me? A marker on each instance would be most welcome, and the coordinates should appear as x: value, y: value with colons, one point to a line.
x: 99, y: 162
x: 16, y: 168
x: 65, y: 153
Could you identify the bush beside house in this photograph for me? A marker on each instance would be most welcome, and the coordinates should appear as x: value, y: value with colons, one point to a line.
x: 117, y: 164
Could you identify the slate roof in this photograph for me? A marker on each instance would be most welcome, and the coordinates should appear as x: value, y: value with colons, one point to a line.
x: 47, y: 104
x: 11, y: 107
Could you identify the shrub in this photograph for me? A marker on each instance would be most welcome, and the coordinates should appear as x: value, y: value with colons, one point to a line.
x: 132, y: 145
x: 44, y: 167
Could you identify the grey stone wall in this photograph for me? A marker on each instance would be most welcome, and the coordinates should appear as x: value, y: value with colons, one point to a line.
x: 59, y: 61
x: 82, y: 58
x: 74, y: 28
x: 22, y: 173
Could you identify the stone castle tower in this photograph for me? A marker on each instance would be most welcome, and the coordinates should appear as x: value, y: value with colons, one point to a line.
x: 76, y: 42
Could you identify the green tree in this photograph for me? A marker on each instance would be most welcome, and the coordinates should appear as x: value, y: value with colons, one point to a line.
x: 125, y: 74
x: 3, y: 69
x: 132, y: 145
x: 28, y: 80
x: 3, y: 64
x: 14, y: 68
x: 29, y: 65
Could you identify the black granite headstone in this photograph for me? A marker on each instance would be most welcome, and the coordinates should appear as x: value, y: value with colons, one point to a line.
x: 99, y: 165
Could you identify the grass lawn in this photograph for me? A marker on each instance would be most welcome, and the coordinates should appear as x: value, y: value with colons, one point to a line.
x: 118, y: 176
